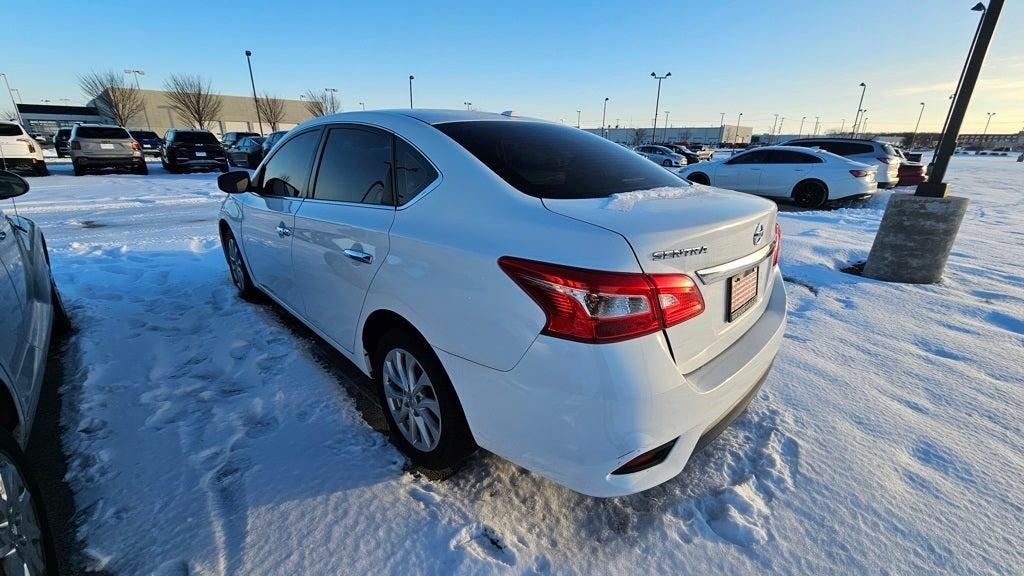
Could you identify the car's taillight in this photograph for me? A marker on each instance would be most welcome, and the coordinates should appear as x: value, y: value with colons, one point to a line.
x: 76, y: 145
x: 883, y: 159
x: 595, y: 306
x: 859, y: 173
x: 135, y: 145
x: 778, y: 245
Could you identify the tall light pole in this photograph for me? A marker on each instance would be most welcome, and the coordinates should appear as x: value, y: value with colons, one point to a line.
x: 18, y: 92
x: 771, y: 135
x: 334, y: 105
x: 468, y: 105
x: 411, y: 78
x: 578, y: 112
x: 801, y: 131
x: 916, y: 126
x: 11, y: 94
x: 604, y: 113
x: 842, y: 129
x: 781, y: 120
x: 736, y: 134
x: 362, y: 105
x: 664, y: 130
x: 657, y: 102
x: 863, y: 89
x: 255, y: 100
x: 816, y: 119
x: 136, y: 74
x: 985, y: 131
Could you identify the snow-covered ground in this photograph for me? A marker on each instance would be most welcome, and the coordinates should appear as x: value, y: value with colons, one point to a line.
x: 207, y: 435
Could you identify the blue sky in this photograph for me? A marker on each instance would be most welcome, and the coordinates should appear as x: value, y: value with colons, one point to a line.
x: 546, y: 59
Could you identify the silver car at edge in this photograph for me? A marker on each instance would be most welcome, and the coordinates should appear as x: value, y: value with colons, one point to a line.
x: 661, y: 155
x: 31, y: 309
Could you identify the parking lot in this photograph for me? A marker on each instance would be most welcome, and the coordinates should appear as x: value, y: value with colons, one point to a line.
x: 207, y: 435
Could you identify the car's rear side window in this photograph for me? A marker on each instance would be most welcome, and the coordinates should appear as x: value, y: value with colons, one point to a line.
x: 195, y: 138
x: 10, y: 130
x: 412, y: 172
x: 103, y: 132
x: 557, y: 162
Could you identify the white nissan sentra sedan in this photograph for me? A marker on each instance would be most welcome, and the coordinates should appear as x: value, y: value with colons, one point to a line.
x: 810, y: 177
x: 517, y: 285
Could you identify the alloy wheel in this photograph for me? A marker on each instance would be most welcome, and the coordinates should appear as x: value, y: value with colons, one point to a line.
x: 21, y: 545
x: 235, y: 264
x: 412, y: 400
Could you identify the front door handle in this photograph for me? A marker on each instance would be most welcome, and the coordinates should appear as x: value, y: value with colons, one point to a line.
x: 359, y: 256
x: 283, y: 230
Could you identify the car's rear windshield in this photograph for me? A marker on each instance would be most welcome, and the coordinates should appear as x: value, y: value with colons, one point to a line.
x: 64, y: 133
x: 10, y: 130
x: 194, y: 138
x: 558, y: 162
x: 144, y: 135
x: 101, y: 132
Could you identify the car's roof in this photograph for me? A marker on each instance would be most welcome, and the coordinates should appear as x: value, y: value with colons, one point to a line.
x: 87, y: 125
x: 835, y: 139
x: 428, y: 116
x: 188, y: 130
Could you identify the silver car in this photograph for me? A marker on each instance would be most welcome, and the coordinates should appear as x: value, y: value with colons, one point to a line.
x: 31, y: 309
x: 661, y: 155
x: 97, y: 146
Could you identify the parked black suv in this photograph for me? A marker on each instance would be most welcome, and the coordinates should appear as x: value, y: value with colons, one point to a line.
x: 233, y: 138
x: 186, y: 150
x: 60, y: 142
x: 150, y: 142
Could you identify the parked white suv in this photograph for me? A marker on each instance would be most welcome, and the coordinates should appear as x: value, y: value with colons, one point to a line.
x: 871, y: 152
x: 19, y: 151
x: 517, y: 285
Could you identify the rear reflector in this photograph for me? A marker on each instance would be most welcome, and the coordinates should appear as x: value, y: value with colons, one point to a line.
x: 859, y: 173
x: 646, y: 460
x: 599, y: 307
x: 76, y: 145
x: 778, y: 245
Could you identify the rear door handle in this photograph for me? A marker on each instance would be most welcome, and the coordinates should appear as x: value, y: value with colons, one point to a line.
x: 283, y: 230
x: 359, y: 256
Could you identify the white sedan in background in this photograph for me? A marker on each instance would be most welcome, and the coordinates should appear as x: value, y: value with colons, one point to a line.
x: 810, y: 177
x: 661, y: 155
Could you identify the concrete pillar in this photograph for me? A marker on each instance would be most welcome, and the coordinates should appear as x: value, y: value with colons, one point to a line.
x: 915, y: 238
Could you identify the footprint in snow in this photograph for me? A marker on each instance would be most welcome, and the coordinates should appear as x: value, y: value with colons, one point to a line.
x: 483, y: 543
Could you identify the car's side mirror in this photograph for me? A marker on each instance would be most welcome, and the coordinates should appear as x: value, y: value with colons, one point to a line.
x: 12, y: 185
x: 234, y: 182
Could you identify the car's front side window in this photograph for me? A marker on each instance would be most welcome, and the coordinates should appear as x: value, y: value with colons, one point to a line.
x: 287, y: 170
x: 355, y: 167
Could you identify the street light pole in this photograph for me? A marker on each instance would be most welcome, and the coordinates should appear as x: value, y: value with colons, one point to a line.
x: 411, y: 78
x: 604, y: 113
x: 985, y: 131
x: 578, y: 112
x: 138, y: 73
x: 468, y: 105
x: 657, y: 102
x: 842, y: 129
x: 664, y: 131
x: 18, y: 92
x: 916, y: 126
x: 781, y: 120
x: 363, y: 106
x: 771, y: 135
x: 332, y: 103
x: 816, y: 118
x: 801, y: 131
x: 255, y: 100
x: 11, y: 94
x: 736, y: 134
x: 863, y: 89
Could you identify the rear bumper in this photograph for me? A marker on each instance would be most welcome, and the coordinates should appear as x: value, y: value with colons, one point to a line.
x: 108, y: 161
x: 19, y: 164
x: 575, y: 412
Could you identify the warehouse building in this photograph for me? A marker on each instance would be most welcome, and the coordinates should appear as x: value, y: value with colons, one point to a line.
x: 46, y: 119
x: 714, y: 136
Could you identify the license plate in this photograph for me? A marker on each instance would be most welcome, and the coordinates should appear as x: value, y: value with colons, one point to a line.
x: 106, y: 146
x: 200, y: 154
x: 742, y: 292
x: 147, y: 145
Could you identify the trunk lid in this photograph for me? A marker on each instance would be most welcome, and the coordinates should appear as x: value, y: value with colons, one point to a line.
x: 689, y: 230
x: 113, y: 147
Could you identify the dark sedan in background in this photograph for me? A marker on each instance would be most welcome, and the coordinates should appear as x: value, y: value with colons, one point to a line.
x: 60, y: 142
x: 271, y: 139
x: 149, y: 141
x: 247, y: 153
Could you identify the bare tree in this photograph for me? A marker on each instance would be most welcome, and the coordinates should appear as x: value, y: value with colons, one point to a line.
x: 271, y: 110
x: 113, y: 95
x: 639, y: 134
x: 321, y: 103
x: 193, y: 99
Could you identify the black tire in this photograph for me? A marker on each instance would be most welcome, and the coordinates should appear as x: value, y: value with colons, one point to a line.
x: 142, y: 169
x: 42, y: 170
x: 61, y: 321
x: 810, y: 194
x: 699, y: 178
x: 239, y: 273
x: 455, y: 443
x: 11, y: 455
x: 224, y: 167
x: 666, y: 163
x: 78, y: 169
